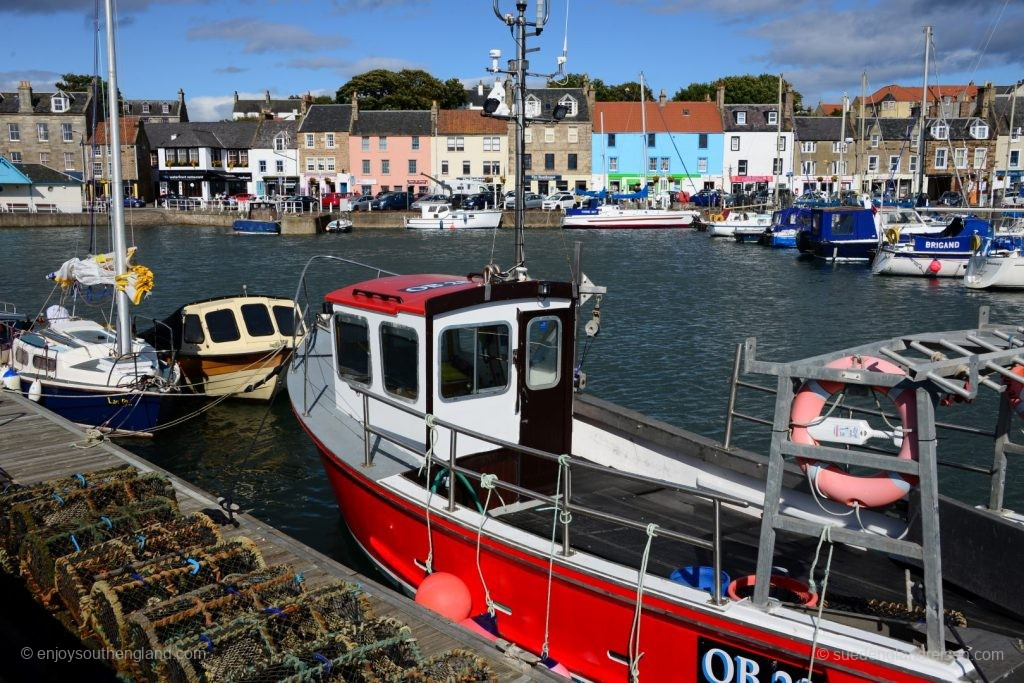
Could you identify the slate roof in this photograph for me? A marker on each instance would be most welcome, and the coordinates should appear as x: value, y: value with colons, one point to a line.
x: 959, y: 128
x: 468, y: 122
x: 135, y: 107
x: 327, y: 118
x: 221, y: 134
x: 549, y: 97
x: 757, y: 119
x: 819, y: 128
x: 398, y: 123
x: 474, y: 98
x: 254, y: 107
x: 77, y: 102
x: 891, y: 129
x: 44, y: 175
x: 268, y: 130
x: 1003, y: 107
x: 672, y: 117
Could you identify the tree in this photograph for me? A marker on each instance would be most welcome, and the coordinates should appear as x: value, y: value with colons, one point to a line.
x: 405, y: 89
x: 77, y: 83
x: 319, y: 99
x: 746, y: 89
x: 623, y: 92
x: 695, y: 92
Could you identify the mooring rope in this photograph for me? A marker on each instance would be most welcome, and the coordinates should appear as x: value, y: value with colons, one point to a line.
x: 432, y: 441
x: 635, y: 655
x: 565, y: 517
x: 826, y: 534
x: 487, y: 481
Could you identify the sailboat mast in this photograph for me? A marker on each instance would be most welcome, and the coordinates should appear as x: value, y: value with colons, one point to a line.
x: 124, y: 342
x: 924, y: 105
x: 777, y: 168
x: 520, y: 101
x: 643, y: 128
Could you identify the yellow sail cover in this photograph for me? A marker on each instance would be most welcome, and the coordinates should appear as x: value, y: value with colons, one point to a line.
x: 137, y: 282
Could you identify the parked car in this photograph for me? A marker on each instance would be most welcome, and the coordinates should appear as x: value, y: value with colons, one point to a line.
x: 391, y: 201
x: 559, y: 200
x: 297, y: 203
x: 171, y: 199
x: 361, y: 202
x: 429, y: 199
x: 707, y: 198
x: 241, y: 197
x: 133, y: 202
x: 951, y: 199
x: 531, y: 200
x: 480, y: 200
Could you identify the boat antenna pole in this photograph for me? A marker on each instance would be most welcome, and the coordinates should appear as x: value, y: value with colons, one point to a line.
x: 124, y: 342
x: 518, y: 70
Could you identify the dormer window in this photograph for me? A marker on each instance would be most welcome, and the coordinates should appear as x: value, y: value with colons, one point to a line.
x: 145, y: 107
x: 126, y: 108
x: 279, y: 142
x: 532, y: 106
x: 59, y: 103
x: 940, y: 131
x: 165, y: 108
x: 979, y: 130
x: 773, y: 118
x: 741, y: 118
x: 569, y: 102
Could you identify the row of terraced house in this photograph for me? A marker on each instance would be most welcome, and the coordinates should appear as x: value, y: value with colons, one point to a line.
x: 971, y: 143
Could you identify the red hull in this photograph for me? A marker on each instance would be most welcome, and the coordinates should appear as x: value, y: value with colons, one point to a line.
x: 590, y: 617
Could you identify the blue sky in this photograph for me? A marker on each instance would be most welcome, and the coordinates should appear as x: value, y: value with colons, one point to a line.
x: 212, y: 48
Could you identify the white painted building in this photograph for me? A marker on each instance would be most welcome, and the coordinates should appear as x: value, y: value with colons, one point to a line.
x: 756, y: 154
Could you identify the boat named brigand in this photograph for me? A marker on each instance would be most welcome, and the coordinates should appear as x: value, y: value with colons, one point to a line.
x: 441, y: 216
x: 936, y: 254
x: 444, y: 410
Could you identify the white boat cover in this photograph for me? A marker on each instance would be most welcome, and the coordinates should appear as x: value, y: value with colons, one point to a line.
x: 99, y: 270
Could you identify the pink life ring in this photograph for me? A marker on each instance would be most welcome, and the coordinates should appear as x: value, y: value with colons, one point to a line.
x: 870, y: 491
x: 1014, y: 390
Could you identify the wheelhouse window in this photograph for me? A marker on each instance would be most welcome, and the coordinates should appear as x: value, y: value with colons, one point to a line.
x: 193, y: 332
x: 257, y: 320
x: 352, y: 348
x: 284, y: 316
x: 399, y: 353
x: 474, y: 360
x: 543, y: 351
x: 222, y: 326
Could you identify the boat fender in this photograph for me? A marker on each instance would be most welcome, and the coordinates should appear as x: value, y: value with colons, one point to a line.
x: 10, y: 378
x: 1014, y: 390
x: 445, y: 594
x: 35, y: 391
x: 483, y: 624
x: 935, y: 266
x: 556, y: 667
x: 798, y: 588
x: 892, y: 235
x: 879, y: 489
x: 976, y: 242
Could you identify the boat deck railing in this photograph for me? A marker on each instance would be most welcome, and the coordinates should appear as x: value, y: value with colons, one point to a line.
x: 560, y: 500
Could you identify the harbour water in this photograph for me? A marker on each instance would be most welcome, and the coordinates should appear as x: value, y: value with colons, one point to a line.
x: 678, y: 303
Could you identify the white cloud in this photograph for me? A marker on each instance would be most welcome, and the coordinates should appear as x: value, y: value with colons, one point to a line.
x: 215, y: 107
x: 259, y: 37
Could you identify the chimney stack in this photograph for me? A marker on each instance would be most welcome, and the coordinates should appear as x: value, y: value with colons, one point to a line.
x: 661, y: 98
x: 720, y: 97
x: 24, y: 97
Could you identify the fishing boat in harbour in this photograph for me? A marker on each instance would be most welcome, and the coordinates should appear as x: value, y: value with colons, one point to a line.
x: 942, y: 254
x: 445, y: 411
x: 840, y: 234
x: 261, y: 218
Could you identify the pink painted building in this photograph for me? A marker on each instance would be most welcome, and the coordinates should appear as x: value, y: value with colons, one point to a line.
x: 388, y: 150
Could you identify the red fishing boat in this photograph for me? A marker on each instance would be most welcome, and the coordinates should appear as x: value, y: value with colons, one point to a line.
x: 592, y: 540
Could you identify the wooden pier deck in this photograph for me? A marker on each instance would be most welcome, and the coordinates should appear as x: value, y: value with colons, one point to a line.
x: 36, y: 445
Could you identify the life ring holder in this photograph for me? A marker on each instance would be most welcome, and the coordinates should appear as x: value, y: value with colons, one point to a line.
x: 1015, y: 390
x: 876, y: 490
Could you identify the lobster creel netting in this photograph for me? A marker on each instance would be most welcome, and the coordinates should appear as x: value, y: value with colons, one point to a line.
x: 143, y: 584
x: 41, y: 548
x: 83, y: 503
x: 16, y: 494
x: 453, y: 666
x: 75, y: 574
x: 183, y: 618
x: 387, y: 646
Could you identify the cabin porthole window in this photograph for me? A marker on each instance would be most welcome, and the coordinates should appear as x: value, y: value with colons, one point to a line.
x: 543, y: 351
x: 352, y: 348
x: 399, y: 357
x: 474, y: 360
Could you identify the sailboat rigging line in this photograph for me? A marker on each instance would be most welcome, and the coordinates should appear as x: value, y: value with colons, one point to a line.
x: 988, y: 38
x: 672, y: 139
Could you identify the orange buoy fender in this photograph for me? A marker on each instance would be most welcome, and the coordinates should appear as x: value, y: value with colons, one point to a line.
x: 1014, y: 389
x: 874, y: 490
x: 446, y: 594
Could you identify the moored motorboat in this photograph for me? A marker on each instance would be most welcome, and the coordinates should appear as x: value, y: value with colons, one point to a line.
x: 234, y: 346
x: 943, y: 254
x: 441, y: 216
x: 733, y: 221
x: 840, y: 234
x: 261, y: 218
x: 786, y: 224
x: 342, y: 224
x: 997, y: 264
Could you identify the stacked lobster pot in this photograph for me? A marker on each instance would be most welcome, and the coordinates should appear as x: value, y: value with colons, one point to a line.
x: 110, y: 554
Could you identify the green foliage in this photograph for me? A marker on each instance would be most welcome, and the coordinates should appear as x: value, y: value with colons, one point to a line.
x: 695, y: 92
x: 77, y: 83
x: 623, y: 92
x: 405, y: 89
x: 746, y: 89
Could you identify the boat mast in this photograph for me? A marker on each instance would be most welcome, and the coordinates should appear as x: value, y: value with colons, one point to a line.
x: 924, y: 104
x: 124, y: 342
x: 777, y: 169
x: 643, y: 128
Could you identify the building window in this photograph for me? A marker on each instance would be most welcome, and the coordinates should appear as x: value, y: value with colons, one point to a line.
x: 279, y: 142
x: 773, y: 118
x: 734, y: 143
x: 528, y: 135
x: 741, y: 167
x: 44, y: 158
x: 980, y: 155
x: 894, y: 163
x: 66, y: 132
x: 665, y: 165
x: 613, y: 164
x: 456, y: 144
x: 912, y: 164
x: 876, y: 139
x: 444, y: 167
x: 611, y: 138
x: 549, y: 162
x: 650, y: 139
x: 385, y: 167
x: 415, y: 142
x: 569, y: 102
x: 145, y: 107
x: 366, y: 167
x: 549, y: 135
x: 59, y: 104
x: 474, y: 360
x: 330, y: 164
x: 466, y: 169
x: 492, y: 143
x: 960, y: 157
x: 782, y: 144
x: 528, y: 161
x: 279, y: 166
x: 570, y: 162
x: 309, y: 140
x: 741, y: 118
x: 352, y: 348
x: 979, y: 130
x: 839, y: 148
x: 16, y: 157
x: 321, y: 163
x: 310, y: 164
x: 807, y: 167
x: 652, y: 165
x: 702, y: 164
x: 940, y: 131
x: 263, y: 165
x: 13, y: 132
x: 165, y: 108
x: 572, y: 135
x: 808, y: 147
x: 873, y: 164
x: 889, y: 104
x: 532, y: 106
x: 364, y: 143
x: 543, y: 351
x: 382, y: 143
x: 399, y: 353
x: 777, y: 166
x: 69, y: 161
x: 43, y: 132
x: 940, y: 158
x: 329, y: 140
x: 492, y: 168
x: 1014, y: 158
x: 1015, y: 134
x: 702, y: 140
x: 412, y: 167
